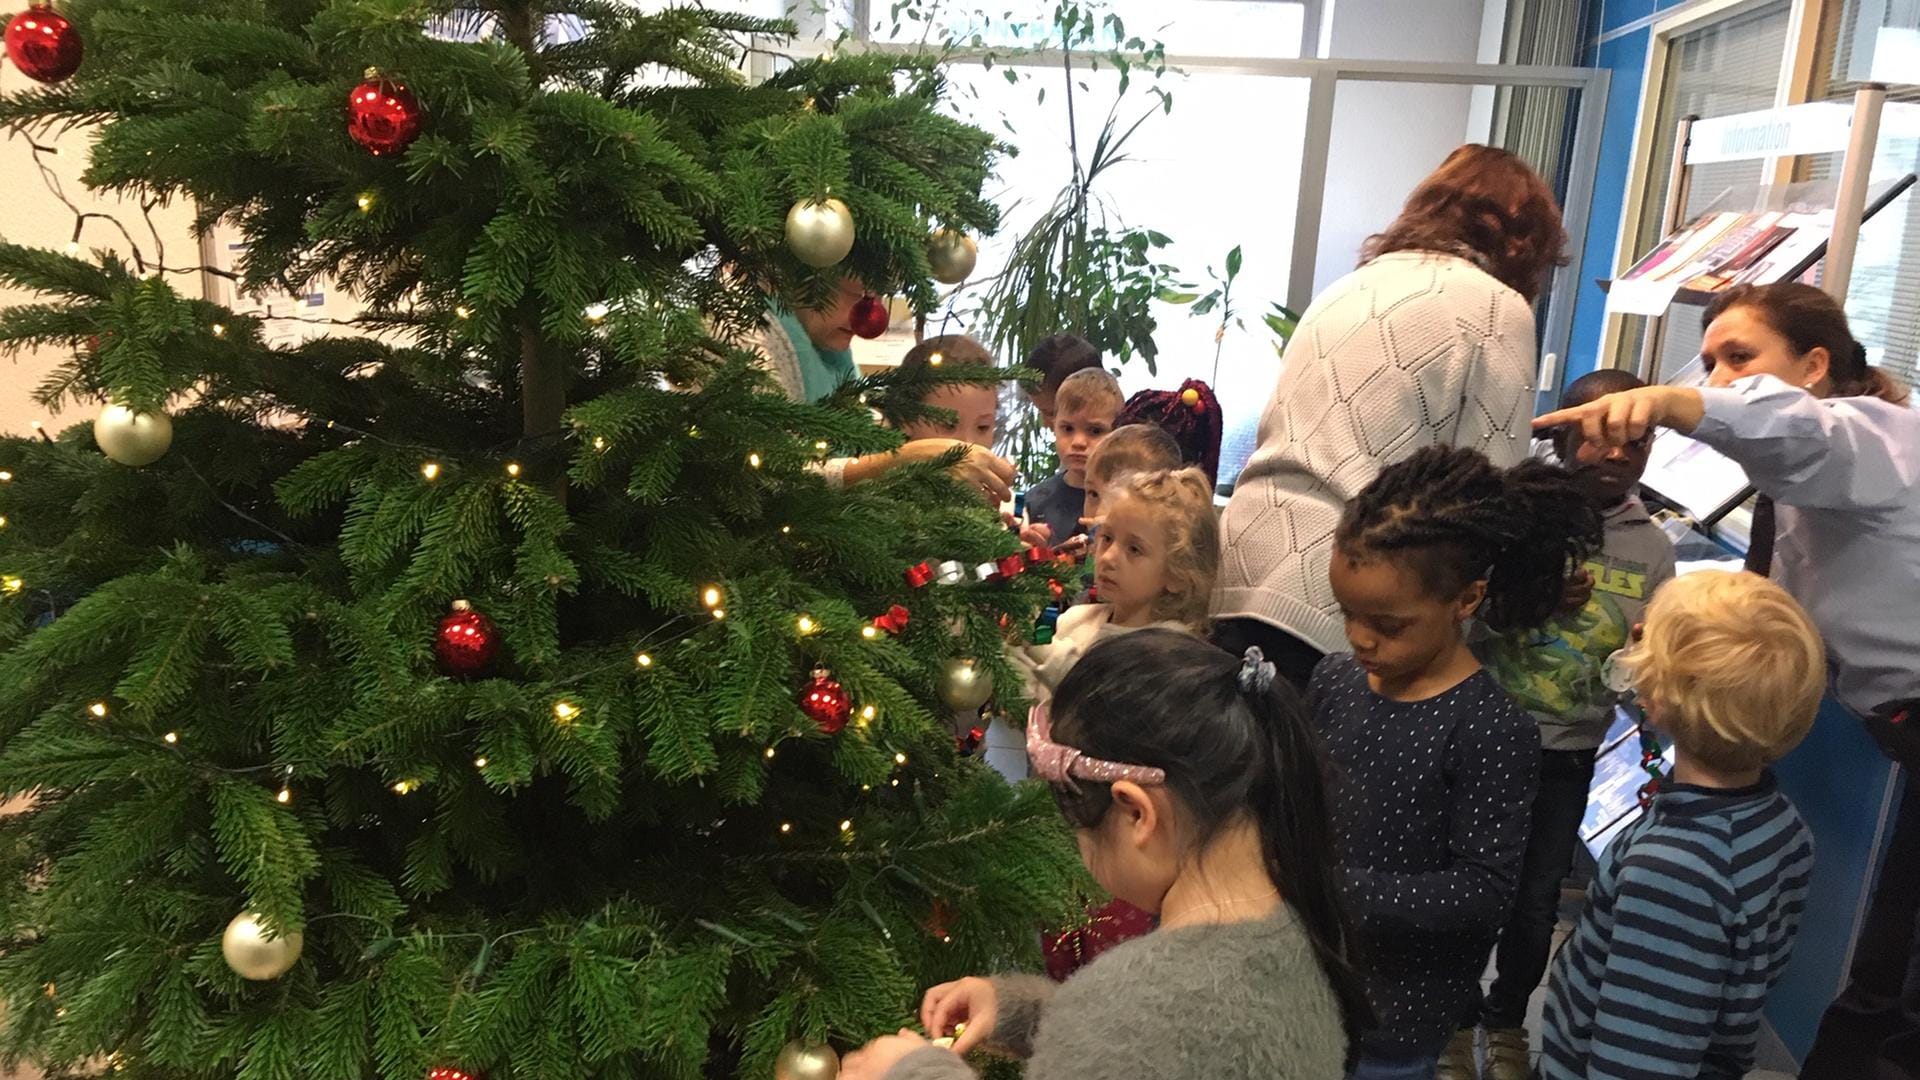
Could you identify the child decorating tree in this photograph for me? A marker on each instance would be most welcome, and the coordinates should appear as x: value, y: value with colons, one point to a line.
x: 1193, y: 784
x: 974, y: 425
x: 1692, y: 915
x: 1084, y: 412
x: 1154, y: 560
x: 1439, y: 764
x: 1555, y: 674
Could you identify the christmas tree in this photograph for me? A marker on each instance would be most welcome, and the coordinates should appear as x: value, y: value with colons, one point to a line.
x: 493, y: 686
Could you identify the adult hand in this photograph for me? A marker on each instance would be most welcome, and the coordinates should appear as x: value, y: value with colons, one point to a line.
x: 874, y: 1060
x: 972, y: 1002
x: 1579, y: 590
x: 1618, y: 419
x: 992, y: 475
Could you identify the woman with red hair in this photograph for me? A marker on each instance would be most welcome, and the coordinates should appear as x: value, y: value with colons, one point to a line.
x: 1429, y: 343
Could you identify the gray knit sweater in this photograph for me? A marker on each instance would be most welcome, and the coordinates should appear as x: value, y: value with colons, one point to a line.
x: 1414, y: 349
x: 1219, y: 1001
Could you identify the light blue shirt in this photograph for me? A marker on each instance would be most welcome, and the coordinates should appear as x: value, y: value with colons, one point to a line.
x: 1845, y: 476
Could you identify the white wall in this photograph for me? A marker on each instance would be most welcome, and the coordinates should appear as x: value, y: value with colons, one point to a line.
x: 1386, y: 136
x: 31, y: 215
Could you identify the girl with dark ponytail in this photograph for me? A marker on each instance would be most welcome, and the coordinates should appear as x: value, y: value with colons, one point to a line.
x: 1437, y: 764
x: 1194, y: 786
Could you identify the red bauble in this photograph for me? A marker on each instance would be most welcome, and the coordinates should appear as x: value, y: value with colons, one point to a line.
x: 43, y: 45
x: 826, y: 702
x: 870, y: 317
x: 1109, y: 925
x: 448, y: 1072
x: 466, y: 641
x: 383, y: 116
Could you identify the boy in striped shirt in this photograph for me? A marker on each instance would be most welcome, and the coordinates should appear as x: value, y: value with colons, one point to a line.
x: 1692, y: 915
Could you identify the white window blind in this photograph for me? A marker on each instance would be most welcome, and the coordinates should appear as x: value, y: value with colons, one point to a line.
x: 1883, y: 296
x: 1726, y: 67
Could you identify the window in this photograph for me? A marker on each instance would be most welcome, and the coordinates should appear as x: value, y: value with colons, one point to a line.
x: 1862, y: 42
x: 1727, y: 67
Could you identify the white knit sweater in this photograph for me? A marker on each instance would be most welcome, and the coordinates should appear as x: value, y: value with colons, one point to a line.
x: 1411, y: 350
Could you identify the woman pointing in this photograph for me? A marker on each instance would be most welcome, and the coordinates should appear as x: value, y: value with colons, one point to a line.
x: 1835, y: 454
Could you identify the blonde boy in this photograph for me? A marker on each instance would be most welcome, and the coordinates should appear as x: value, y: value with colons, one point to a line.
x: 1129, y: 449
x: 1692, y: 915
x: 1084, y: 411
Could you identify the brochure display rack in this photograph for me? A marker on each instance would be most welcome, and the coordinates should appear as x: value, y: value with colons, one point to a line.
x: 1750, y: 236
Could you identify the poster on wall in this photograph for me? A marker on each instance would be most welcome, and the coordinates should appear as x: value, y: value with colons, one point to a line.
x: 288, y: 319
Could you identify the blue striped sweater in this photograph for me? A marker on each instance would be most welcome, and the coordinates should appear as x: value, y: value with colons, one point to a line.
x: 1687, y: 926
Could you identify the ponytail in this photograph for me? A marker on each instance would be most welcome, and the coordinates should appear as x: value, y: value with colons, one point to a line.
x: 1810, y: 319
x: 1236, y: 745
x: 1453, y: 518
x: 1292, y: 804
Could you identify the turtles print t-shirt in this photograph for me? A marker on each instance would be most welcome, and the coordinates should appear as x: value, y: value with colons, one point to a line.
x: 1554, y: 672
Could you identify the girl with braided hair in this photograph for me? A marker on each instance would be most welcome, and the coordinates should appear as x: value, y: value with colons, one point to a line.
x: 1438, y: 765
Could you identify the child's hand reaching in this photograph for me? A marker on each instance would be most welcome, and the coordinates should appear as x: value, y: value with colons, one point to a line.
x: 972, y: 1002
x: 874, y: 1060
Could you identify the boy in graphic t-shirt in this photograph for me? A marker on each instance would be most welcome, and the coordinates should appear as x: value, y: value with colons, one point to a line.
x: 1555, y: 674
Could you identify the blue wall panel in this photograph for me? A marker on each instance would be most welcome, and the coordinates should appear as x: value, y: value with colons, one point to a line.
x: 1626, y: 57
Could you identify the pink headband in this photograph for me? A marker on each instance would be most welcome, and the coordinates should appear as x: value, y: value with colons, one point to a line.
x: 1058, y: 764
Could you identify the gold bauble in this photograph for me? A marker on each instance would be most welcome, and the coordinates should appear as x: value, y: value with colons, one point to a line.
x: 820, y: 233
x: 132, y: 438
x: 798, y: 1061
x: 952, y: 254
x: 964, y: 685
x: 253, y: 955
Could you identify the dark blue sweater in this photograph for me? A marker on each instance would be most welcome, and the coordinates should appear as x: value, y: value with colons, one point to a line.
x: 1687, y: 926
x: 1432, y: 806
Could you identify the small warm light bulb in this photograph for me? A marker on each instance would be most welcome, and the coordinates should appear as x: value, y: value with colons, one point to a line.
x: 770, y: 753
x: 463, y: 312
x: 3, y: 521
x: 430, y: 470
x: 936, y: 360
x: 807, y: 625
x: 219, y: 329
x: 946, y: 939
x: 753, y: 460
x: 866, y: 787
x: 644, y: 660
x: 899, y: 759
x: 480, y: 763
x: 786, y: 530
x: 11, y: 584
x: 869, y: 632
x: 405, y: 787
x: 693, y: 431
x: 846, y: 826
x: 170, y: 738
x: 283, y: 796
x: 98, y: 709
x: 364, y: 202
x: 867, y: 713
x: 821, y: 446
x: 513, y: 468
x: 596, y: 312
x: 710, y: 596
x: 786, y: 827
x: 719, y: 613
x: 73, y: 247
x: 599, y: 443
x: 5, y: 476
x: 565, y: 711
x: 895, y: 782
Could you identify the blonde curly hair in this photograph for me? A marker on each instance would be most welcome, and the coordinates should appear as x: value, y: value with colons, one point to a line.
x: 1180, y: 501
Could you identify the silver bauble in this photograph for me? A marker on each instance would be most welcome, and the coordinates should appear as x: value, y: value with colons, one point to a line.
x: 132, y: 438
x: 798, y: 1061
x: 820, y: 233
x: 964, y: 685
x: 952, y: 254
x: 252, y: 955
